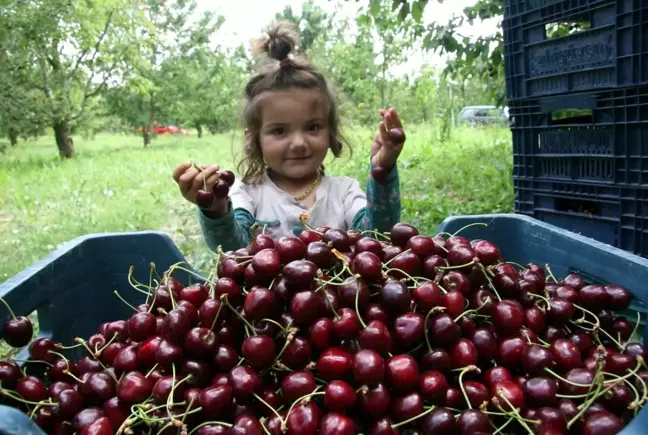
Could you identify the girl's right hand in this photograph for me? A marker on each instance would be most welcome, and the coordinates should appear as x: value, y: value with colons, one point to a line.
x: 190, y: 180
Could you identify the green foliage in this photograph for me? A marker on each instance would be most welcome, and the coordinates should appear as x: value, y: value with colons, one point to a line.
x: 313, y: 23
x: 478, y: 59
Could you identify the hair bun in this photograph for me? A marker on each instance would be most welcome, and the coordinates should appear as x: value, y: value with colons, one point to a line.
x: 280, y: 39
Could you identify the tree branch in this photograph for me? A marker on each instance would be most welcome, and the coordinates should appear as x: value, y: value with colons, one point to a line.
x: 46, y: 87
x: 87, y: 94
x: 96, y: 48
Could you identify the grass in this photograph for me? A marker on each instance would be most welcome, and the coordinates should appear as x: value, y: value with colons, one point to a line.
x: 114, y: 184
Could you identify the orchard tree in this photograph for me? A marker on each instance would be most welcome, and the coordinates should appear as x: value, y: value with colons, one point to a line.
x: 478, y: 58
x: 69, y: 51
x: 395, y: 35
x: 313, y: 23
x: 171, y: 33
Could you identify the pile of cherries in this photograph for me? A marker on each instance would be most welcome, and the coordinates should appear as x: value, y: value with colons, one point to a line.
x: 336, y: 333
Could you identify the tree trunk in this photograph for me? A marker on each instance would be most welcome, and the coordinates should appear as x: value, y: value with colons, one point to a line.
x: 199, y: 130
x: 146, y: 136
x: 63, y: 138
x: 13, y: 135
x: 151, y: 120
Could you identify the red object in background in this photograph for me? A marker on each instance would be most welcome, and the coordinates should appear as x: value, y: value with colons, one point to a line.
x: 171, y: 129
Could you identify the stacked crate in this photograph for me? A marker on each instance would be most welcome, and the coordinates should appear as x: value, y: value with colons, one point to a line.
x: 579, y: 110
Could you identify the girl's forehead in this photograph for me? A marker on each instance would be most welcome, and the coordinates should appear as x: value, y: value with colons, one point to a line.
x: 292, y: 104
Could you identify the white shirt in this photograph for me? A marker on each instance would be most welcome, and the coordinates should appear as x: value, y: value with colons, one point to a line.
x: 337, y: 201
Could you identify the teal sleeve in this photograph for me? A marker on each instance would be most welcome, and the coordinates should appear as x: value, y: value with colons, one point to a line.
x: 231, y: 232
x: 383, y: 208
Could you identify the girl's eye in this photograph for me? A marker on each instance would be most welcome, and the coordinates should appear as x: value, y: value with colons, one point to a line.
x: 277, y: 131
x: 315, y: 128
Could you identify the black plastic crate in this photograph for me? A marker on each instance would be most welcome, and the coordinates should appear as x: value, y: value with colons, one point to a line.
x: 595, y: 137
x: 602, y: 44
x: 614, y: 215
x: 540, y: 9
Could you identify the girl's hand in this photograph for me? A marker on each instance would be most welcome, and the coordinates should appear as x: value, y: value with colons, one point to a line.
x: 386, y: 147
x: 191, y: 180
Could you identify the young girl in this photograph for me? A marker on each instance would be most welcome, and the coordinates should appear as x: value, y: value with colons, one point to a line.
x: 291, y: 123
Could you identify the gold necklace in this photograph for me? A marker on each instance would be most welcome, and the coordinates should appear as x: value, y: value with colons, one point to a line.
x: 310, y: 189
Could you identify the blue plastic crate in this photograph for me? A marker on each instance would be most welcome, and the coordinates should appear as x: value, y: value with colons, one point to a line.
x: 611, y: 51
x: 72, y: 288
x: 595, y: 137
x: 72, y: 291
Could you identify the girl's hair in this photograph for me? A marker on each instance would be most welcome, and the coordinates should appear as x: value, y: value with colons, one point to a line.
x: 280, y: 70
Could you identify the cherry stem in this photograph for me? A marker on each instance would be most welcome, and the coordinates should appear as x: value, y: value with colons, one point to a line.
x: 73, y: 376
x: 466, y: 369
x: 268, y: 405
x: 404, y: 273
x: 152, y: 270
x: 239, y: 316
x: 136, y: 284
x: 220, y: 307
x: 476, y: 310
x: 15, y: 396
x: 13, y: 316
x: 222, y: 423
x: 289, y: 339
x: 150, y: 372
x: 632, y: 387
x: 387, y: 263
x: 274, y: 322
x: 505, y: 414
x: 83, y: 342
x: 376, y: 233
x: 357, y: 303
x: 460, y: 266
x: 192, y: 273
x: 439, y: 245
x: 575, y: 384
x: 514, y: 411
x: 634, y: 331
x: 214, y: 272
x: 61, y: 347
x: 598, y: 393
x: 304, y: 397
x: 302, y: 218
x: 535, y: 295
x: 644, y: 396
x: 124, y: 300
x: 551, y: 275
x: 490, y: 282
x: 516, y: 264
x: 475, y: 224
x: 114, y: 337
x: 502, y: 427
x: 425, y: 324
x: 403, y: 423
x: 67, y: 362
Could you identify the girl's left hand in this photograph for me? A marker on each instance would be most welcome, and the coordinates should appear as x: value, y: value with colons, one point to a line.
x: 385, y: 149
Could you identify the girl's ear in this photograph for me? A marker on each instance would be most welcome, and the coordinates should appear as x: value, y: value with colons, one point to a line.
x: 247, y: 132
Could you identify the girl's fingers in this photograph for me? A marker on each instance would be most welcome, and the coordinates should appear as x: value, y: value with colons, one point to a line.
x: 199, y: 181
x: 395, y: 119
x: 179, y: 170
x: 384, y: 137
x: 186, y: 179
x: 211, y: 180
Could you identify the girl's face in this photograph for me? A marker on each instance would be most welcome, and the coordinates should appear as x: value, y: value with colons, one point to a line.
x: 294, y: 134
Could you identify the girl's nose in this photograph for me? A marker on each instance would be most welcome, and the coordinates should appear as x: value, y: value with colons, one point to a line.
x: 298, y: 140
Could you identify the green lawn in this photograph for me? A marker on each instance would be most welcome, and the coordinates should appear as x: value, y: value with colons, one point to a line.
x: 114, y: 184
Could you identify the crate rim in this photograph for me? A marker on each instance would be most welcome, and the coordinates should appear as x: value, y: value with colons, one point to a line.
x: 65, y: 247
